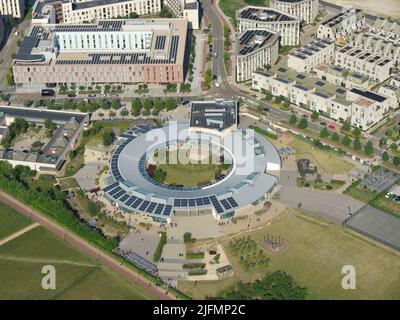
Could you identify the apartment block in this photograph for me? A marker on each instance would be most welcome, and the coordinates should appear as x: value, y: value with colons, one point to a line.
x: 389, y: 30
x: 96, y: 10
x: 305, y: 10
x: 363, y: 108
x: 306, y: 58
x: 111, y: 51
x: 375, y: 66
x: 255, y: 48
x: 341, y: 77
x: 13, y: 8
x: 391, y: 89
x: 387, y: 47
x: 341, y: 24
x: 287, y: 25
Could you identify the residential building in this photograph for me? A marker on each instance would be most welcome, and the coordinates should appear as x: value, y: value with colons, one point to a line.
x: 189, y: 9
x: 342, y: 77
x: 387, y: 47
x: 363, y: 108
x: 389, y: 30
x: 341, y: 24
x: 391, y: 89
x: 287, y: 25
x: 376, y: 67
x: 306, y: 58
x: 305, y: 10
x: 91, y: 11
x: 14, y: 8
x: 111, y: 51
x: 255, y: 48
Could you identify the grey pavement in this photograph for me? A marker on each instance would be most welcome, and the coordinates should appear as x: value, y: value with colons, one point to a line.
x: 331, y: 205
x: 377, y: 225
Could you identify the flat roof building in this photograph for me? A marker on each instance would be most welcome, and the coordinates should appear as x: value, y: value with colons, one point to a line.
x: 286, y: 25
x: 217, y: 115
x: 111, y: 51
x: 255, y: 48
x: 319, y: 95
x: 305, y: 10
x: 341, y: 24
x: 306, y: 58
x: 95, y: 10
x: 14, y: 8
x: 375, y: 66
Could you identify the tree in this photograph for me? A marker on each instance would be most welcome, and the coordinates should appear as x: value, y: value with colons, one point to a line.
x: 356, y: 132
x: 133, y: 15
x: 165, y: 13
x: 382, y: 142
x: 315, y: 116
x: 303, y: 124
x: 394, y: 146
x: 107, y: 137
x: 293, y: 119
x: 357, y: 144
x: 136, y: 105
x: 396, y: 161
x: 48, y: 124
x: 170, y: 103
x: 346, y: 126
x: 369, y: 148
x: 385, y: 156
x: 324, y: 133
x: 115, y: 104
x: 346, y: 141
x: 268, y: 96
x: 335, y: 137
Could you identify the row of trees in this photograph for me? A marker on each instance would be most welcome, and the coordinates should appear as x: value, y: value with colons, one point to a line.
x: 51, y: 203
x: 153, y: 106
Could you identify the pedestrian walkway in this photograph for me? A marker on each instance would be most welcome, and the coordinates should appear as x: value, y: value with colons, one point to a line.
x: 18, y: 233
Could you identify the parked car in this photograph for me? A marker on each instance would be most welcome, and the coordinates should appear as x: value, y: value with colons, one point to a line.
x: 322, y: 123
x: 217, y: 84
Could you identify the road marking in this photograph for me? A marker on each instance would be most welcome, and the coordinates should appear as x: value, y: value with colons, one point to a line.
x: 18, y: 233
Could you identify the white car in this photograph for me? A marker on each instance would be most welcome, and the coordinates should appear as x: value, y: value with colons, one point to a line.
x: 217, y: 84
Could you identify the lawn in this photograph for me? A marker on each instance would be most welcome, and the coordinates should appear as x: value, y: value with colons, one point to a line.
x: 387, y: 205
x: 11, y: 221
x: 229, y: 7
x: 317, y: 252
x: 327, y: 162
x: 77, y: 276
x: 363, y: 195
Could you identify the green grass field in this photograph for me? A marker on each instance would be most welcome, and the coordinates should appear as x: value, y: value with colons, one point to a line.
x: 326, y: 161
x: 11, y: 221
x: 229, y: 7
x: 77, y: 276
x: 317, y: 252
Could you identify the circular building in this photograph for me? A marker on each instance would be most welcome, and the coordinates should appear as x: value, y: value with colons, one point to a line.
x: 305, y: 10
x: 202, y: 166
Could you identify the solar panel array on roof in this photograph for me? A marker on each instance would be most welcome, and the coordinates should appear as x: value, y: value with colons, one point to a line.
x: 266, y: 15
x: 247, y: 41
x: 213, y: 115
x: 369, y: 94
x: 160, y: 42
x: 103, y: 25
x: 126, y: 58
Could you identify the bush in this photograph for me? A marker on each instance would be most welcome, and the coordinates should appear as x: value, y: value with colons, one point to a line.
x: 160, y: 247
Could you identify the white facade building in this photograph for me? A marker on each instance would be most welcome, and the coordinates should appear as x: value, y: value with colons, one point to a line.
x: 306, y: 58
x: 288, y: 26
x: 305, y: 10
x: 88, y: 11
x: 342, y: 24
x: 255, y: 48
x: 13, y: 8
x: 363, y: 108
x: 376, y: 67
